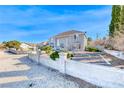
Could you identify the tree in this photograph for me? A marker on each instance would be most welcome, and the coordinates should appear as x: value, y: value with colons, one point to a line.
x: 47, y: 49
x: 115, y: 22
x: 122, y: 19
x: 116, y: 28
x: 104, y: 38
x: 89, y: 39
x: 13, y: 44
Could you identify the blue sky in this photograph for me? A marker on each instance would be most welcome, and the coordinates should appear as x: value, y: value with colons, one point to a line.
x: 38, y: 23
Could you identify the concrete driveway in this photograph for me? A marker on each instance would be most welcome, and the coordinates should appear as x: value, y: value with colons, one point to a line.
x: 17, y: 71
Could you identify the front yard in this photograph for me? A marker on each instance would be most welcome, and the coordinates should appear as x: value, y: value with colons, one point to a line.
x: 19, y: 72
x: 99, y: 59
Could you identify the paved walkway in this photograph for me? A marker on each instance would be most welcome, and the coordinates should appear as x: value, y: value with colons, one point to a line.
x: 18, y: 71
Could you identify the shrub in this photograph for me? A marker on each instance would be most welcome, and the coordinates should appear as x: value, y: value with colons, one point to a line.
x: 47, y: 49
x: 13, y: 44
x: 54, y: 55
x: 109, y: 47
x: 70, y: 55
x: 92, y: 49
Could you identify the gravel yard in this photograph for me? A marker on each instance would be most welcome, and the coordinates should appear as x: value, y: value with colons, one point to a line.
x: 92, y: 57
x: 115, y: 62
x: 17, y: 71
x: 95, y: 58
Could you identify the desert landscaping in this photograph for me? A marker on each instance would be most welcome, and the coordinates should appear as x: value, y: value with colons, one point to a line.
x: 59, y: 56
x: 19, y: 71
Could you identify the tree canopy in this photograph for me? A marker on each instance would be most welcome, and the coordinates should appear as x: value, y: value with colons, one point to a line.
x: 89, y: 39
x: 115, y: 21
x: 13, y: 44
x: 116, y: 27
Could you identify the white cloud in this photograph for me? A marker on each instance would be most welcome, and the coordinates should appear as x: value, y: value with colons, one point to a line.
x: 91, y: 20
x: 32, y: 16
x: 78, y: 14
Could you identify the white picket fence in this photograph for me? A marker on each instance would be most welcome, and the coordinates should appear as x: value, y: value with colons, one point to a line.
x: 96, y: 74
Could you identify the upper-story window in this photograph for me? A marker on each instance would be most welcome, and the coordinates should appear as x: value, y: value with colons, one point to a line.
x: 76, y: 36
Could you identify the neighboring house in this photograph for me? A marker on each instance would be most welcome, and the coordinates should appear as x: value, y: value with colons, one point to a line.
x: 42, y: 44
x: 27, y: 47
x: 71, y: 40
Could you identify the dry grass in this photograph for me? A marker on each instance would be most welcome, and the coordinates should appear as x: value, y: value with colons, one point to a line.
x: 117, y: 42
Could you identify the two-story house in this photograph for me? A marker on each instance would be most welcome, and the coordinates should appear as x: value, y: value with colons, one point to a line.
x: 70, y: 40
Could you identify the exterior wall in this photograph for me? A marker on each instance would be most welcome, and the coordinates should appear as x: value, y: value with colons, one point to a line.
x: 58, y: 64
x: 84, y: 42
x: 69, y: 42
x: 25, y: 47
x: 51, y: 42
x: 64, y: 43
x: 117, y: 54
x: 96, y: 74
x: 14, y: 51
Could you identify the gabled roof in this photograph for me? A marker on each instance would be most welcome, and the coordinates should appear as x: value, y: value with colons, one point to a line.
x: 67, y: 33
x: 30, y: 44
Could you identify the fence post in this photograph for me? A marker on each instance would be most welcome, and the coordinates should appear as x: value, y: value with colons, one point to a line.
x: 63, y: 58
x: 38, y: 52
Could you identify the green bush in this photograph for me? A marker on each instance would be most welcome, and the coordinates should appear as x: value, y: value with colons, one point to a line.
x: 47, y: 49
x: 92, y: 49
x: 54, y: 55
x: 70, y: 55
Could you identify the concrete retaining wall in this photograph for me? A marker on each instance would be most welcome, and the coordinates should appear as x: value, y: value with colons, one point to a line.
x: 96, y: 74
x: 117, y: 54
x: 17, y: 52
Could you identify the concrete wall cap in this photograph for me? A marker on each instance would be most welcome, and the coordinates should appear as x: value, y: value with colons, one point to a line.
x: 62, y: 53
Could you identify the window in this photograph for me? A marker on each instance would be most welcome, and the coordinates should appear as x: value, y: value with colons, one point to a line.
x: 62, y: 45
x: 58, y: 43
x: 79, y: 46
x: 75, y: 37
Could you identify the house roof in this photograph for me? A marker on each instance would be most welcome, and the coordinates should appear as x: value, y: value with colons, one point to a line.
x: 67, y: 33
x: 43, y: 43
x: 30, y: 44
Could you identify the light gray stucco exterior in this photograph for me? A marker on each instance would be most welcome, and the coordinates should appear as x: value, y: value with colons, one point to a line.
x: 70, y: 40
